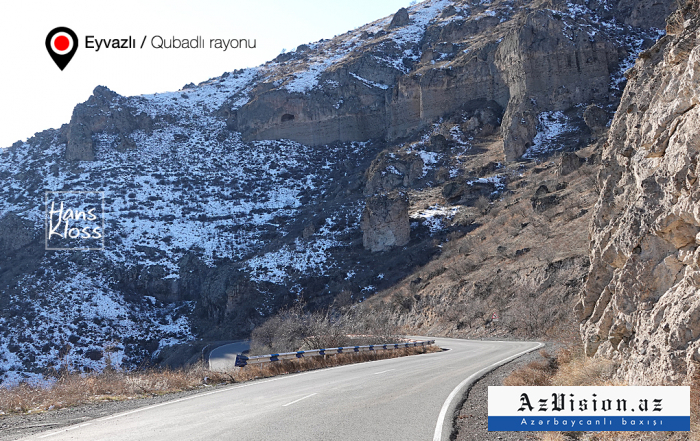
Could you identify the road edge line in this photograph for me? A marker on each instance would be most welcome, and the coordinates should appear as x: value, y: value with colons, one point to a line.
x: 450, y: 404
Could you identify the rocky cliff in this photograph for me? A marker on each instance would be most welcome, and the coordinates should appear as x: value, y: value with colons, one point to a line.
x: 640, y: 304
x: 393, y: 78
x: 227, y: 200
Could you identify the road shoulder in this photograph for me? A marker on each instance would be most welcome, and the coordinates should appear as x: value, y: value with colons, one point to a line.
x: 17, y: 426
x: 471, y: 422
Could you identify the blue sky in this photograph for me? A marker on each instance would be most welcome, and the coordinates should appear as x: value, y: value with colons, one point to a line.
x: 36, y: 95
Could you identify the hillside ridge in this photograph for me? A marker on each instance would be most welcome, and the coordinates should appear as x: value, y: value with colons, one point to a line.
x: 228, y: 200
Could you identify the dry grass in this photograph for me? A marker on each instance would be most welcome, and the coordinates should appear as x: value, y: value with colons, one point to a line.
x: 74, y: 389
x: 575, y: 369
x: 535, y: 373
x: 695, y: 406
x: 71, y: 389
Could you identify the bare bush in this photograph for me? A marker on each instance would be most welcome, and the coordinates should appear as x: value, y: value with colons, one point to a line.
x: 73, y: 389
x: 482, y: 204
x: 534, y: 316
x: 295, y: 329
x: 535, y: 373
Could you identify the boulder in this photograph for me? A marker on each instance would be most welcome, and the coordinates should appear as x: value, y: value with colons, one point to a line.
x: 400, y: 19
x: 439, y: 144
x: 385, y: 222
x: 569, y: 163
x: 596, y: 119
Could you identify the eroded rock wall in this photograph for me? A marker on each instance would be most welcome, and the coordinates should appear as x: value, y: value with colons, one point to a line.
x: 541, y: 57
x: 104, y: 112
x: 640, y: 304
x: 315, y: 119
x: 422, y: 98
x: 385, y: 223
x: 545, y: 71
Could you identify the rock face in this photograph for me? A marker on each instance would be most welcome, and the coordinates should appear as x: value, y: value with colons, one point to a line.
x: 385, y: 222
x: 545, y: 71
x: 104, y: 112
x: 596, y: 119
x: 442, y: 57
x: 640, y: 304
x: 15, y: 233
x: 399, y: 19
x: 645, y: 12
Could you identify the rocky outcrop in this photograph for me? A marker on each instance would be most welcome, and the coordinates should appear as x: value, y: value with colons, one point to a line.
x: 390, y: 171
x: 471, y: 56
x: 640, y: 304
x: 15, y: 233
x: 385, y: 222
x: 596, y: 119
x: 105, y: 111
x: 314, y: 119
x: 651, y: 13
x: 399, y: 19
x: 569, y: 163
x: 545, y: 71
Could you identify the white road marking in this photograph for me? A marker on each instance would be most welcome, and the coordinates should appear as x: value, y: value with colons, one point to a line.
x: 446, y: 406
x: 296, y: 401
x: 226, y: 389
x: 65, y: 430
x: 382, y: 372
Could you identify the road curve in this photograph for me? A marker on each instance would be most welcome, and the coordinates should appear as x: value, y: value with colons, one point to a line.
x: 223, y: 357
x: 408, y: 398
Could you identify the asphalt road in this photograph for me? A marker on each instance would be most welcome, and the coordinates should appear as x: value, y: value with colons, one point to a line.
x: 403, y: 399
x: 223, y: 358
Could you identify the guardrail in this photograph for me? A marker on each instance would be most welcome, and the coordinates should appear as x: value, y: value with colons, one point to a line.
x: 242, y: 360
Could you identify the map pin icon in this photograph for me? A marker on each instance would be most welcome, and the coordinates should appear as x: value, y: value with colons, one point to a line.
x: 61, y: 44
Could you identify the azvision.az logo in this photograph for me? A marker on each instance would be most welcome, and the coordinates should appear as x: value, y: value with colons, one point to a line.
x: 61, y: 44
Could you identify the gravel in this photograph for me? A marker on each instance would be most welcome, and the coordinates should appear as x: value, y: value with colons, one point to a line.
x: 471, y: 422
x: 16, y: 426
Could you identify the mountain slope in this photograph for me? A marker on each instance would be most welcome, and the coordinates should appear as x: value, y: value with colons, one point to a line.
x: 227, y: 200
x: 640, y: 302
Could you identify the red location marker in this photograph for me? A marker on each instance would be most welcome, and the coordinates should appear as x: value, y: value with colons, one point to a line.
x: 61, y: 44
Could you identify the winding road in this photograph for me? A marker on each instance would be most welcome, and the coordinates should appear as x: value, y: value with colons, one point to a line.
x: 408, y: 398
x: 223, y: 358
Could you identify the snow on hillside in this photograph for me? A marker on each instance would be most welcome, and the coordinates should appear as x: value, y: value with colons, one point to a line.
x: 189, y: 186
x: 306, y: 69
x: 551, y: 126
x: 74, y: 321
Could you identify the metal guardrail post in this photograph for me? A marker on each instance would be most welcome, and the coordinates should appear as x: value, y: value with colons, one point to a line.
x: 242, y: 360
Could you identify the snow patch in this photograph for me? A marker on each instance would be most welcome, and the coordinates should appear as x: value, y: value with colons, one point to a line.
x: 551, y: 125
x: 434, y: 217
